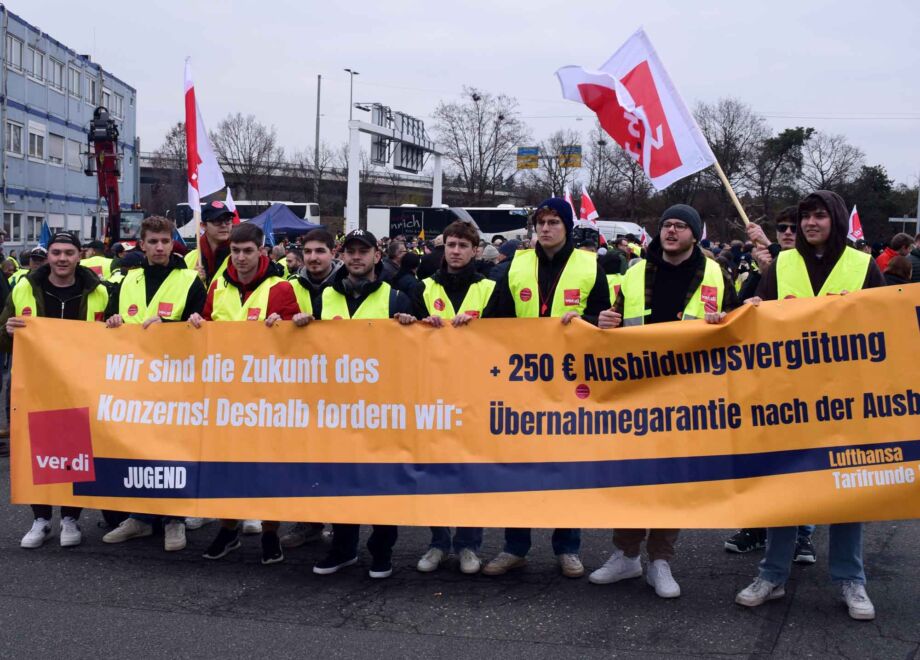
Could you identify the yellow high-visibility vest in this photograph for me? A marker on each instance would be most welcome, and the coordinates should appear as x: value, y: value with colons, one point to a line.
x: 848, y: 274
x: 572, y: 289
x: 438, y: 302
x: 302, y: 293
x: 226, y: 304
x: 24, y: 301
x: 707, y: 298
x: 99, y: 265
x: 375, y: 306
x: 168, y: 302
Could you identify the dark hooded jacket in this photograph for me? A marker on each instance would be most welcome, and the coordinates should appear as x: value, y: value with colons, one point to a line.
x: 73, y: 308
x: 316, y: 288
x: 914, y: 257
x: 669, y: 288
x: 399, y: 301
x: 820, y: 267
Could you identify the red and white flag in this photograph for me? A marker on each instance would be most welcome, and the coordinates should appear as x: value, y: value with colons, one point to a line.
x: 232, y: 206
x: 703, y: 237
x: 568, y: 198
x: 855, y: 232
x: 638, y: 106
x: 588, y: 211
x: 644, y: 238
x: 204, y: 175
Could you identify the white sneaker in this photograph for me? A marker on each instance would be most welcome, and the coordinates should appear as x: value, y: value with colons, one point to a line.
x: 469, y: 562
x: 130, y: 528
x: 571, y: 565
x: 35, y: 537
x: 857, y: 600
x: 759, y: 592
x: 70, y: 533
x: 252, y: 527
x: 198, y: 523
x: 618, y: 567
x: 174, y: 536
x: 430, y: 561
x: 659, y: 576
x: 503, y: 563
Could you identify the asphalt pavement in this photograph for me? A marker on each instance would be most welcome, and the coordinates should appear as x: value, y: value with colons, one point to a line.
x: 135, y: 600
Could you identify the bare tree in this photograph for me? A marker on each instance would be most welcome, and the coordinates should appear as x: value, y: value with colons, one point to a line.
x: 830, y: 162
x: 777, y: 164
x: 340, y: 160
x: 480, y: 135
x: 555, y: 172
x: 247, y: 149
x: 308, y: 167
x: 171, y: 154
x: 617, y: 182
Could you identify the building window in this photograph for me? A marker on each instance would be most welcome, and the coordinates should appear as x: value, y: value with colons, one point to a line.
x: 56, y: 75
x: 56, y: 148
x: 12, y: 226
x: 13, y: 52
x: 106, y: 99
x: 74, y: 82
x: 119, y: 106
x: 92, y: 90
x: 33, y: 228
x: 38, y: 64
x: 36, y: 144
x: 13, y: 137
x: 73, y: 155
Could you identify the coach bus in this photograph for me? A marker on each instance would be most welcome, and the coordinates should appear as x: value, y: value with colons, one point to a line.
x: 410, y: 221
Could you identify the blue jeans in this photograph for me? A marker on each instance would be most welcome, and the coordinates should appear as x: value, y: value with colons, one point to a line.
x: 464, y: 537
x: 845, y: 557
x: 565, y: 541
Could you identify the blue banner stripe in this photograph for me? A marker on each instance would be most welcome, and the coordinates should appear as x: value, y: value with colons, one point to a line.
x: 218, y: 480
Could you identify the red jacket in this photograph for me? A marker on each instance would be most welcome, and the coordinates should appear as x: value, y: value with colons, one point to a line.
x: 882, y: 260
x: 281, y: 298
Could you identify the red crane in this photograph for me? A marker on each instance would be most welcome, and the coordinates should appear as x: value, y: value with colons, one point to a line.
x: 104, y: 162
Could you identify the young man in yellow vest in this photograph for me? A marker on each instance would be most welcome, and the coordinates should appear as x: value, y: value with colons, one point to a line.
x: 552, y: 280
x: 455, y: 294
x: 821, y: 264
x: 213, y: 245
x: 162, y: 289
x: 250, y: 289
x: 675, y: 283
x: 96, y: 260
x: 60, y: 289
x: 357, y: 292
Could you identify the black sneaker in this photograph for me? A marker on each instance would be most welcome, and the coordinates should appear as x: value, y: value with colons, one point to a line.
x: 746, y: 540
x: 271, y: 548
x: 332, y: 563
x: 804, y: 551
x: 381, y: 567
x: 4, y: 449
x: 226, y: 542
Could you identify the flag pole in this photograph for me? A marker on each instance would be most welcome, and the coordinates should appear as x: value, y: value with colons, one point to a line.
x: 731, y: 192
x: 196, y: 214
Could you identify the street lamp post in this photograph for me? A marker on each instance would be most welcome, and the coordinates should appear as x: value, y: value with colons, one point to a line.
x: 351, y: 91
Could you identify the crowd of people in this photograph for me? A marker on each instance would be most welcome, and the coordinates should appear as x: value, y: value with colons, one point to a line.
x: 458, y: 278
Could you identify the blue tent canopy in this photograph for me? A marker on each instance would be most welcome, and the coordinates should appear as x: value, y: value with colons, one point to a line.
x: 283, y: 221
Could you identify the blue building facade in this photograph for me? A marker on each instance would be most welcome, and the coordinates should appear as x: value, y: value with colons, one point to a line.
x: 48, y: 93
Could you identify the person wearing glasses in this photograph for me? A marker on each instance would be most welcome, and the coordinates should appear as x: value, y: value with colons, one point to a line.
x: 676, y: 282
x: 213, y: 244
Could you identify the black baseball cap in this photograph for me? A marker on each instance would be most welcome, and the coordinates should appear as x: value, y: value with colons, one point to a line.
x: 38, y: 254
x: 362, y: 236
x: 64, y: 237
x: 94, y: 245
x: 214, y: 210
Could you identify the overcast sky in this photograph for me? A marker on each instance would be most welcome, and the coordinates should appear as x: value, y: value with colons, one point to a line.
x: 846, y: 66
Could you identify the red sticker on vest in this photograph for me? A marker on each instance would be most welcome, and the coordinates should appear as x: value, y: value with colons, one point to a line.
x: 132, y: 310
x: 526, y: 294
x: 572, y: 296
x: 336, y: 318
x: 788, y: 297
x: 439, y: 305
x: 252, y: 314
x: 616, y: 292
x: 96, y: 269
x: 99, y: 316
x: 26, y: 311
x: 165, y: 309
x: 473, y: 313
x: 710, y: 297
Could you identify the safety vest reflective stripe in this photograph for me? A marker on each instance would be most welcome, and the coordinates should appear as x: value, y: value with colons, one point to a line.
x: 191, y: 261
x: 226, y: 304
x: 99, y: 265
x: 302, y: 293
x: 375, y: 306
x: 572, y: 289
x: 438, y: 302
x: 848, y: 274
x: 707, y: 298
x: 614, y: 281
x: 168, y: 302
x: 24, y: 301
